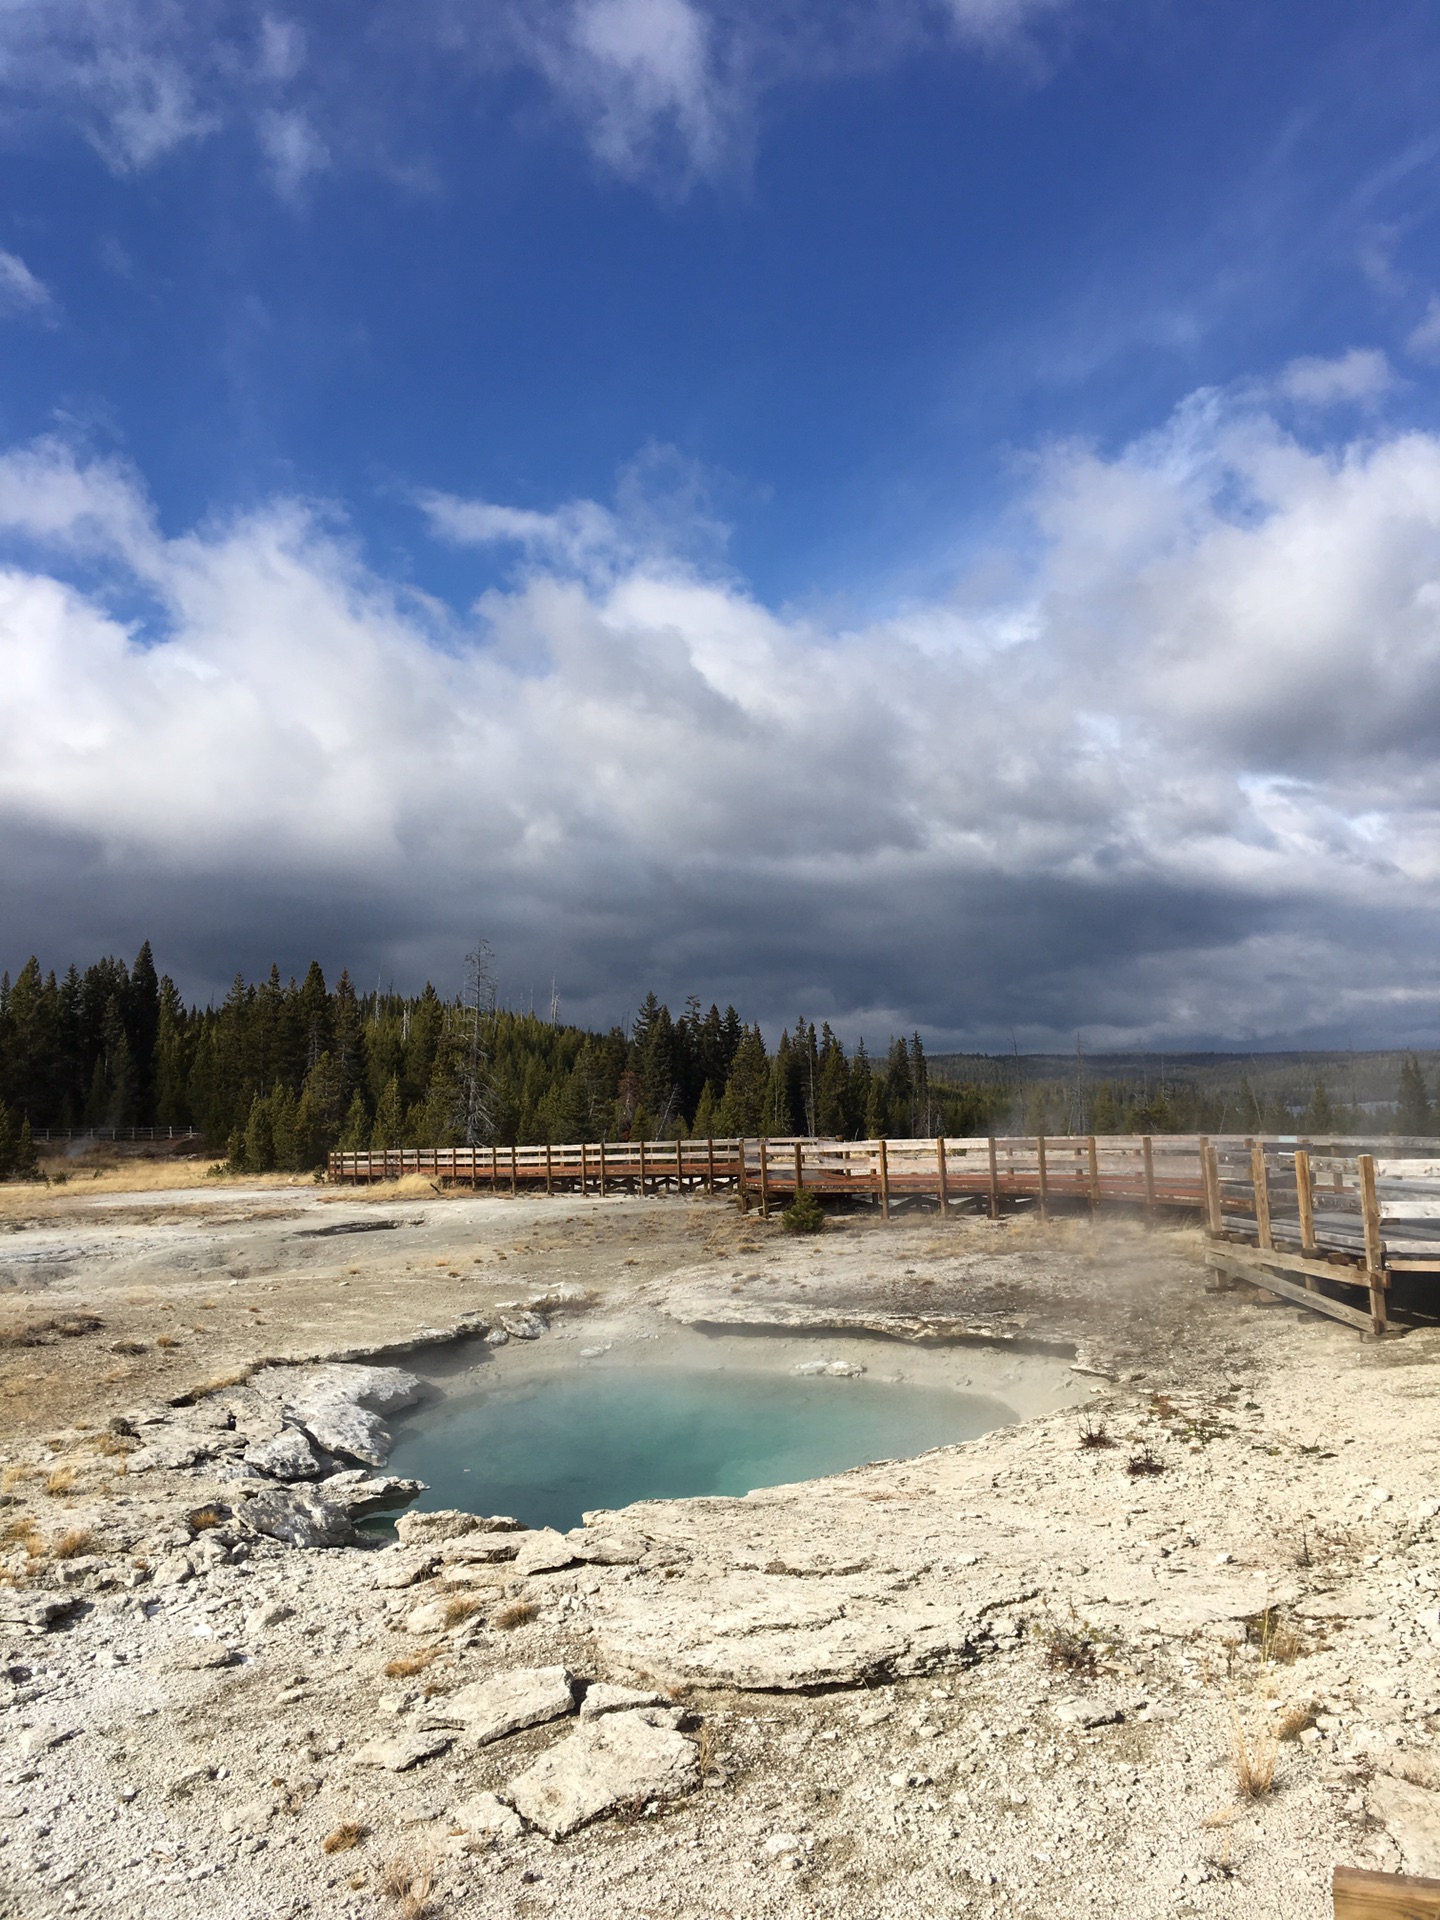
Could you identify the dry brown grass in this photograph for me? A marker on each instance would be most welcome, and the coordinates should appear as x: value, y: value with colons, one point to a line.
x: 72, y: 1544
x: 1256, y: 1754
x: 410, y: 1886
x: 15, y: 1475
x: 460, y: 1606
x: 515, y: 1613
x: 1069, y: 1645
x: 23, y: 1532
x: 61, y: 1480
x: 167, y: 1340
x: 1294, y: 1720
x: 1277, y: 1640
x: 404, y: 1665
x: 112, y: 1444
x: 211, y: 1514
x: 342, y: 1838
x: 128, y: 1346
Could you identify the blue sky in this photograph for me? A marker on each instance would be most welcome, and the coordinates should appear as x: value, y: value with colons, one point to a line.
x: 974, y: 462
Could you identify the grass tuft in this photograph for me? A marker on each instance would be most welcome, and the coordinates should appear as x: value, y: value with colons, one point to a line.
x: 1069, y: 1645
x: 460, y: 1606
x: 405, y: 1665
x: 72, y: 1544
x: 515, y: 1613
x: 1256, y: 1753
x: 61, y: 1480
x: 342, y: 1838
x: 409, y: 1886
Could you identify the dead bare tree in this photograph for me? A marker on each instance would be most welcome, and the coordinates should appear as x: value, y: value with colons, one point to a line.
x: 476, y: 1104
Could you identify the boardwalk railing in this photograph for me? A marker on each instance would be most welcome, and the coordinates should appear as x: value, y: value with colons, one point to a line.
x: 1299, y: 1218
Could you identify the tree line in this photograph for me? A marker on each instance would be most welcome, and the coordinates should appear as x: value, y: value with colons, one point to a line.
x: 281, y: 1072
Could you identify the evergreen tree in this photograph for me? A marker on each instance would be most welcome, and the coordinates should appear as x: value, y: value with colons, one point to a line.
x: 1320, y: 1115
x: 27, y: 1163
x: 355, y: 1134
x: 387, y: 1132
x: 8, y: 1142
x: 743, y: 1103
x: 1412, y: 1112
x: 259, y: 1149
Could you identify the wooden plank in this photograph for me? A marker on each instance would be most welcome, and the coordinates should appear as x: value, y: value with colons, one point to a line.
x: 1234, y: 1262
x: 994, y: 1180
x: 764, y: 1181
x: 884, y: 1183
x: 1349, y: 1275
x: 602, y: 1169
x: 1148, y: 1153
x: 1305, y: 1200
x: 1260, y: 1180
x: 709, y: 1165
x: 1374, y: 1244
x: 514, y: 1175
x: 741, y: 1188
x: 1094, y: 1158
x: 1361, y: 1895
x: 944, y: 1188
x: 799, y: 1171
x: 549, y: 1171
x: 1044, y: 1184
x: 642, y: 1169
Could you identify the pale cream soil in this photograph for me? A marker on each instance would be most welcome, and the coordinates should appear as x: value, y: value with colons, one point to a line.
x: 1279, y: 1575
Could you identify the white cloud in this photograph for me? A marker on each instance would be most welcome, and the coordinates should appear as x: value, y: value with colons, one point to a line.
x: 20, y: 291
x: 1424, y: 340
x: 1361, y: 375
x: 1184, y: 781
x: 293, y: 149
x: 663, y: 90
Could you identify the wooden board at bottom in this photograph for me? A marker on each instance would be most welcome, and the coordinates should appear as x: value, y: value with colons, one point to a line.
x: 1384, y: 1896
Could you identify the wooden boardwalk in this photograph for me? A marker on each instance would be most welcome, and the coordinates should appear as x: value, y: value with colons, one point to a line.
x: 1322, y: 1222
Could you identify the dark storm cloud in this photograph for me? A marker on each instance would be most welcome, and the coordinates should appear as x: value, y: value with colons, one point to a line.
x: 1088, y: 809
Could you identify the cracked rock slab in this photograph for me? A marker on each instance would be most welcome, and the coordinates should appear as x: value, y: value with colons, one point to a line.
x: 490, y: 1709
x: 299, y: 1519
x: 288, y: 1456
x: 407, y: 1750
x: 616, y: 1761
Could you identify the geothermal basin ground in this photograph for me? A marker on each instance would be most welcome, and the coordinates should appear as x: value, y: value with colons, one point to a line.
x: 1165, y: 1642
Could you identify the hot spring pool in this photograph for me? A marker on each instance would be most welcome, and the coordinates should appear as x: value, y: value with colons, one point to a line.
x: 549, y: 1447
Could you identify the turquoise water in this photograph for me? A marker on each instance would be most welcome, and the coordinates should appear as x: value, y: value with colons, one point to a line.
x: 547, y: 1449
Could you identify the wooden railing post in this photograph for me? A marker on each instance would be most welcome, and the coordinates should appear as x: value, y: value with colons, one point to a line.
x: 1210, y: 1173
x: 799, y: 1171
x: 1374, y: 1244
x: 940, y: 1171
x: 1260, y: 1180
x: 884, y: 1182
x: 709, y: 1164
x: 679, y: 1167
x: 1094, y: 1154
x: 602, y: 1169
x: 642, y: 1169
x: 742, y: 1188
x: 994, y: 1180
x: 514, y: 1175
x: 1148, y: 1151
x: 1305, y: 1201
x: 1044, y: 1184
x: 764, y: 1181
x: 549, y: 1174
x: 584, y: 1170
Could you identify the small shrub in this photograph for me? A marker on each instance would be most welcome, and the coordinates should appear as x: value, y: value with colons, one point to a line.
x: 212, y: 1514
x: 1094, y: 1433
x: 167, y: 1340
x: 515, y: 1613
x: 1069, y: 1645
x: 129, y: 1346
x: 804, y: 1214
x: 1274, y: 1637
x: 72, y: 1544
x: 61, y: 1480
x: 342, y: 1838
x: 1146, y: 1462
